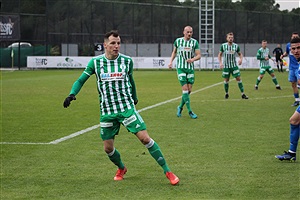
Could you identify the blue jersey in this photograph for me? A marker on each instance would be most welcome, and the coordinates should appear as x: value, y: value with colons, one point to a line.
x: 293, y: 64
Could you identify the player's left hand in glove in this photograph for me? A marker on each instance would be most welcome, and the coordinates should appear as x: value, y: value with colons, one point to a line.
x: 68, y: 100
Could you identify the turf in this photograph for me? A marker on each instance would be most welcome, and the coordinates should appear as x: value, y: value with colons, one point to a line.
x: 227, y: 153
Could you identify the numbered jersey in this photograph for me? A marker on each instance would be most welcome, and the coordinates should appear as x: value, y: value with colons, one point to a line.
x: 114, y: 87
x: 229, y: 53
x: 261, y: 55
x: 185, y: 50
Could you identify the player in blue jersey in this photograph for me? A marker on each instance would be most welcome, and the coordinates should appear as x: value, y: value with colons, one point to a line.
x: 293, y: 69
x: 295, y: 118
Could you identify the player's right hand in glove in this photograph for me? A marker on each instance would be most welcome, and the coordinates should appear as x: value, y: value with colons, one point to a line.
x: 68, y: 100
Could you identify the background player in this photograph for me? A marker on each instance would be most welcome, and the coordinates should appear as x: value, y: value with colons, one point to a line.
x: 263, y: 55
x: 117, y: 95
x: 229, y: 65
x: 187, y: 51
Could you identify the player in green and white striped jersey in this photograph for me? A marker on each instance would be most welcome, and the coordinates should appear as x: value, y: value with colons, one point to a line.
x: 187, y: 51
x: 117, y: 96
x: 263, y: 55
x: 229, y: 65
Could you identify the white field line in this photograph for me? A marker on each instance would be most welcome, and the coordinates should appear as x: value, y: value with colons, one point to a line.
x: 141, y: 110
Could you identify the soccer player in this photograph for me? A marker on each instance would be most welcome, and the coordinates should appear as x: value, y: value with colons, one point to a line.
x: 293, y: 69
x: 263, y: 56
x: 187, y: 51
x: 295, y: 118
x: 118, y: 97
x: 229, y: 66
x: 277, y: 52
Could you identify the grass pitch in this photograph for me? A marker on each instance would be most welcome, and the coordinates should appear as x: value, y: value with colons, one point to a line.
x: 227, y: 153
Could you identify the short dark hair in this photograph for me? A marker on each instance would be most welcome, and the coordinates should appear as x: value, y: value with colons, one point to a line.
x: 295, y: 40
x: 295, y: 33
x: 112, y: 32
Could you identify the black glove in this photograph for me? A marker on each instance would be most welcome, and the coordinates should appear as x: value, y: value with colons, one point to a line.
x: 68, y: 100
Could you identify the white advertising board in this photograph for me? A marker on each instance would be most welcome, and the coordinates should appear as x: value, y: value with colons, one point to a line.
x: 139, y: 62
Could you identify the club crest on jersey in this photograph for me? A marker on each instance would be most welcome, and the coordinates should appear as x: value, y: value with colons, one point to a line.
x: 115, y: 76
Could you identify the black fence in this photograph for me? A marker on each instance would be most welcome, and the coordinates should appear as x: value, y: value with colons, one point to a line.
x: 50, y: 23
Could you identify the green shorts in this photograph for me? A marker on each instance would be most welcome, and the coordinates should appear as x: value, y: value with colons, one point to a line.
x: 185, y: 76
x: 110, y: 124
x: 263, y: 70
x: 235, y: 71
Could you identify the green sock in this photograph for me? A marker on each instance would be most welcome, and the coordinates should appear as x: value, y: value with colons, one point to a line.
x: 258, y: 80
x: 186, y: 98
x: 182, y: 102
x: 226, y: 87
x: 240, y: 84
x: 156, y: 153
x: 115, y: 157
x: 274, y: 79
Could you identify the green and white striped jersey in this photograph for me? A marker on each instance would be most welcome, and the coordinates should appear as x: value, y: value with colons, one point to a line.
x: 114, y: 82
x: 185, y: 50
x: 229, y: 54
x: 261, y: 55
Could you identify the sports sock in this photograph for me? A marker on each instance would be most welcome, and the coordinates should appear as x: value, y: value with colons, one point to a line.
x: 226, y: 87
x: 294, y: 137
x: 182, y: 102
x: 240, y: 84
x: 274, y: 79
x: 115, y: 157
x: 258, y: 81
x: 296, y: 95
x: 156, y: 153
x: 186, y: 98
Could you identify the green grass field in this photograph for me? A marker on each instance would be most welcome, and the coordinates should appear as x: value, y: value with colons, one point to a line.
x: 227, y: 153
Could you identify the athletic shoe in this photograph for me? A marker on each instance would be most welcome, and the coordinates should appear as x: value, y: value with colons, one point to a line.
x: 120, y: 173
x: 193, y: 115
x: 287, y: 156
x: 179, y: 110
x: 256, y: 87
x: 245, y: 97
x: 278, y: 87
x: 172, y: 178
x: 226, y: 96
x: 296, y: 103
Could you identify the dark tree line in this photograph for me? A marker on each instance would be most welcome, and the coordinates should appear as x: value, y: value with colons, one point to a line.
x: 146, y: 21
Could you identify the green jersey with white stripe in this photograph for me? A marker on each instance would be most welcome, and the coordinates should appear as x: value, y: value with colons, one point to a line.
x: 229, y: 54
x: 261, y: 55
x: 185, y: 50
x: 114, y: 83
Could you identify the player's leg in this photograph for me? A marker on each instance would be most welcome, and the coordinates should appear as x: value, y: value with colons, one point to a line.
x: 226, y: 76
x: 281, y: 64
x: 262, y: 72
x: 190, y: 80
x: 156, y: 153
x: 293, y: 80
x: 108, y: 131
x: 274, y: 79
x: 294, y: 137
x: 237, y: 75
x: 182, y: 77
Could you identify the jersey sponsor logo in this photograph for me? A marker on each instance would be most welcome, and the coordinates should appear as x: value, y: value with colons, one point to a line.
x: 106, y: 124
x: 129, y: 120
x: 112, y: 76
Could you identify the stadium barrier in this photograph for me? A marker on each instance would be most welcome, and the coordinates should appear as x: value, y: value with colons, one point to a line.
x: 70, y: 62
